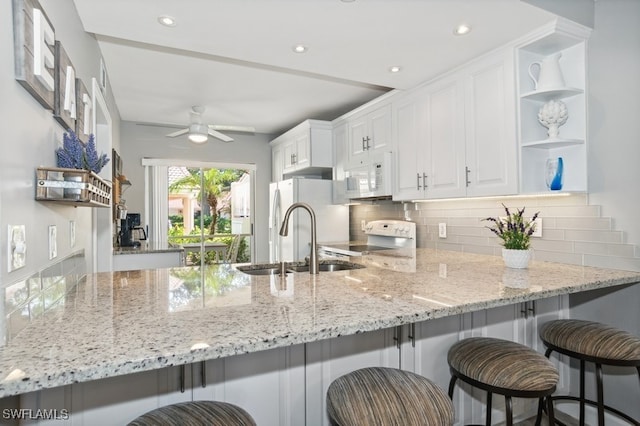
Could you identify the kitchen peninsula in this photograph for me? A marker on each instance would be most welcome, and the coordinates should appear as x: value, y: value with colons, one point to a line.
x: 128, y: 322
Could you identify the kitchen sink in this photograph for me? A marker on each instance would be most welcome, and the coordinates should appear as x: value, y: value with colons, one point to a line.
x: 275, y: 268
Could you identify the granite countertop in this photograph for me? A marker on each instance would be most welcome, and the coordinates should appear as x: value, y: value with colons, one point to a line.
x: 125, y: 322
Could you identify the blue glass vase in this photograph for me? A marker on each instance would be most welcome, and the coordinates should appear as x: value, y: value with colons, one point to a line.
x: 554, y: 173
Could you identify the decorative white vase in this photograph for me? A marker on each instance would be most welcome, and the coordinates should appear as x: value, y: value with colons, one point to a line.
x: 518, y: 259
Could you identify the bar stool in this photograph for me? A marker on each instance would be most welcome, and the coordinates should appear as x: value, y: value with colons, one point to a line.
x: 387, y: 396
x: 506, y: 368
x: 196, y: 413
x: 593, y: 342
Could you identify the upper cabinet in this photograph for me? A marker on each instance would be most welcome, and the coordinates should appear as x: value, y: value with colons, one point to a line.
x: 367, y: 133
x: 307, y: 149
x: 455, y: 137
x: 552, y: 101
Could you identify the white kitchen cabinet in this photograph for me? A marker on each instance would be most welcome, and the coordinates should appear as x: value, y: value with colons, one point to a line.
x: 429, y: 134
x: 115, y: 400
x: 326, y: 360
x: 306, y: 149
x: 277, y: 163
x: 368, y: 132
x: 490, y: 124
x: 570, y: 41
x: 339, y: 195
x: 455, y: 136
x: 269, y: 384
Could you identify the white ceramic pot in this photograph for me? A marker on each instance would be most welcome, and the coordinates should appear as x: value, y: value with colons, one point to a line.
x: 518, y: 259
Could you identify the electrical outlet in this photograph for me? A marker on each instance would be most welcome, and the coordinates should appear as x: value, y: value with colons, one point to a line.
x: 363, y: 224
x: 442, y: 230
x: 538, y: 231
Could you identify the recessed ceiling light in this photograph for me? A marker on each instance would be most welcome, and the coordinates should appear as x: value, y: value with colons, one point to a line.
x: 300, y: 48
x: 167, y: 21
x: 462, y: 29
x: 395, y: 69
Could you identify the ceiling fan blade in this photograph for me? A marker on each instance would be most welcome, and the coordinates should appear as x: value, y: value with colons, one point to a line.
x: 221, y: 136
x: 228, y: 128
x: 178, y: 133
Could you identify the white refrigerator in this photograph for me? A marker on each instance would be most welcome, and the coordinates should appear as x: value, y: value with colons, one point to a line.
x: 332, y: 221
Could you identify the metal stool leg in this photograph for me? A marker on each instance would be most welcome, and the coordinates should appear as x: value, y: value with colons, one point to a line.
x: 539, y: 415
x: 509, y: 406
x: 581, y: 392
x: 552, y: 415
x: 451, y: 385
x: 600, y: 395
x: 489, y: 396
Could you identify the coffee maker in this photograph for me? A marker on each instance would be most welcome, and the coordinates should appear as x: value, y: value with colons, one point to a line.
x: 130, y: 231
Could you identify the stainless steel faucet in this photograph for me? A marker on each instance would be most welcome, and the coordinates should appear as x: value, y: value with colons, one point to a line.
x: 284, y: 231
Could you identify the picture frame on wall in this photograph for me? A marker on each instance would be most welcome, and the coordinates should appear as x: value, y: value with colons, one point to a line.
x: 34, y: 51
x: 65, y: 99
x: 84, y: 103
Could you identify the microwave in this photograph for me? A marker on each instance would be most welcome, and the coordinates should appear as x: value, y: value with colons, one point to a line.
x: 371, y: 179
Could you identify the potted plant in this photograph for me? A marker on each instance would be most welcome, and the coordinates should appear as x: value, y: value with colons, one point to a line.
x: 515, y: 232
x: 75, y: 154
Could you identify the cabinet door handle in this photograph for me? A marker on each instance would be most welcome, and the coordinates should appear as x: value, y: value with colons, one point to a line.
x: 364, y: 147
x: 424, y: 180
x: 418, y: 180
x: 466, y: 173
x: 182, y: 372
x: 397, y: 336
x: 412, y: 334
x: 294, y: 158
x: 203, y: 373
x: 368, y: 139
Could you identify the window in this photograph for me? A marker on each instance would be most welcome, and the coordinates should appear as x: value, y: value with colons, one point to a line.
x: 203, y: 207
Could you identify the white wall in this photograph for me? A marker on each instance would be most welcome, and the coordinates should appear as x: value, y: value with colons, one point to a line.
x: 614, y: 108
x: 138, y: 142
x: 29, y: 135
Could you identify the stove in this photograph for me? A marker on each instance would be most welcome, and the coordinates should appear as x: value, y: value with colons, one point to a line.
x: 394, y: 236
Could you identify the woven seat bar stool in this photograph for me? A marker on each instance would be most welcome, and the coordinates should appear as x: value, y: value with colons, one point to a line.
x: 506, y: 368
x: 387, y: 396
x: 196, y: 413
x: 594, y: 342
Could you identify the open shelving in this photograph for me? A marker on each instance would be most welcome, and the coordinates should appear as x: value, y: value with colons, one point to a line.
x: 535, y: 145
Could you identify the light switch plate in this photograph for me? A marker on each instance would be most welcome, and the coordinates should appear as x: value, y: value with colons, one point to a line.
x: 16, y: 247
x: 538, y: 231
x: 442, y: 230
x: 53, y: 242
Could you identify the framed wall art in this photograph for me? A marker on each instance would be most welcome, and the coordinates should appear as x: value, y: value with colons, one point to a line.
x: 83, y: 111
x: 64, y: 101
x: 34, y: 51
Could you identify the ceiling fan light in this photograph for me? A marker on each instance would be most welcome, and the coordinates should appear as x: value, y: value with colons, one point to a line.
x: 198, y: 133
x: 198, y: 137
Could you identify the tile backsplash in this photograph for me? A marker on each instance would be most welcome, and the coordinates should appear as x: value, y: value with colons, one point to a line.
x: 29, y: 299
x: 572, y: 230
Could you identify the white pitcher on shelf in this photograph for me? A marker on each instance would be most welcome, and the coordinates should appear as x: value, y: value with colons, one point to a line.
x: 549, y: 74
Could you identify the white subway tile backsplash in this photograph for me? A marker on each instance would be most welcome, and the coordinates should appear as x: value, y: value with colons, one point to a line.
x: 592, y: 223
x: 562, y: 246
x: 561, y: 257
x: 573, y: 231
x: 613, y: 262
x: 595, y: 236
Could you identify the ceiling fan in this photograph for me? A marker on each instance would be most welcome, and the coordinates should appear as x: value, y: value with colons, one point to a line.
x: 199, y: 132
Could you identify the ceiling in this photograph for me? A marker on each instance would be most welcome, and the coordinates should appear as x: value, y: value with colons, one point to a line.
x: 235, y: 57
